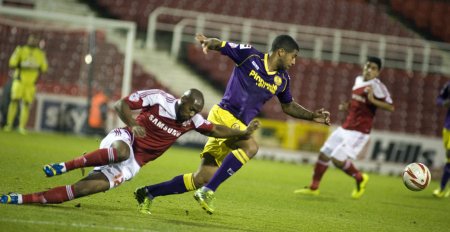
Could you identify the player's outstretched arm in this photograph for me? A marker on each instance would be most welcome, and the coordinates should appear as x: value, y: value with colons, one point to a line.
x: 124, y: 113
x: 208, y: 43
x: 297, y: 111
x: 220, y: 131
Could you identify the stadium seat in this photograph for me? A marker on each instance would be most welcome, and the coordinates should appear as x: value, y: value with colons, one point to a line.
x: 316, y: 84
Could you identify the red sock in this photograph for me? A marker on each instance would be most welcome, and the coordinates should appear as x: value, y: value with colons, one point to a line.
x: 53, y: 196
x: 351, y: 170
x: 319, y: 170
x: 98, y: 157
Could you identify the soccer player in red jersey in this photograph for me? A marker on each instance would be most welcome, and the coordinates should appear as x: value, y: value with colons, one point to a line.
x: 123, y: 152
x: 256, y: 78
x: 347, y: 141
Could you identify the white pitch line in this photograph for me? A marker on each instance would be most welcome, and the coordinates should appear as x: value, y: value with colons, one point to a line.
x: 77, y: 225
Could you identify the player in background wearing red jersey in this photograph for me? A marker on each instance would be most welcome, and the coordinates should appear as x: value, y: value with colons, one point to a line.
x: 347, y: 141
x: 124, y: 151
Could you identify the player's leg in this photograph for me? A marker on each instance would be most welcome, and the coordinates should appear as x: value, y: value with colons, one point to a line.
x: 182, y: 183
x: 16, y: 95
x: 177, y: 185
x: 118, y: 151
x: 94, y: 183
x: 233, y: 161
x: 347, y: 151
x: 322, y: 163
x: 320, y: 168
x: 440, y: 192
x: 28, y: 97
x: 245, y: 150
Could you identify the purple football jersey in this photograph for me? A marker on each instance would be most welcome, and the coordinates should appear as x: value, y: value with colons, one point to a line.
x: 251, y: 84
x: 443, y: 96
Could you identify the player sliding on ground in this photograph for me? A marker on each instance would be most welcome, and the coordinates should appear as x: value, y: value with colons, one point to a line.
x: 346, y: 143
x: 123, y: 152
x: 256, y: 78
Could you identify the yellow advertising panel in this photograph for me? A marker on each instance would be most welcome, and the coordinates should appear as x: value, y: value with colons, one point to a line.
x: 292, y: 134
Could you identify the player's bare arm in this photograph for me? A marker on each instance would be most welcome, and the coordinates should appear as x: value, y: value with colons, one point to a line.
x: 220, y: 131
x: 208, y: 43
x: 297, y: 111
x: 124, y: 113
x: 380, y: 104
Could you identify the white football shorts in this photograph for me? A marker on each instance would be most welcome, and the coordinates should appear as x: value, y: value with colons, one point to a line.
x: 343, y: 144
x: 118, y: 173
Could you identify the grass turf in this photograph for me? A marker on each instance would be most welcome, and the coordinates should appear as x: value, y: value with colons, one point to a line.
x: 258, y: 198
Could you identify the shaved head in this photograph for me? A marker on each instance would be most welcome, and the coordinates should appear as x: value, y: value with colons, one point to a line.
x: 190, y: 103
x: 195, y: 97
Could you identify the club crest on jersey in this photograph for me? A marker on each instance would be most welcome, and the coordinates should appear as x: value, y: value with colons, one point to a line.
x: 277, y: 80
x: 235, y: 126
x: 163, y: 126
x: 134, y: 97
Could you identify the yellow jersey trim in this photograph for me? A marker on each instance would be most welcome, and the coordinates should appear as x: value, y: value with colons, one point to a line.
x: 266, y: 65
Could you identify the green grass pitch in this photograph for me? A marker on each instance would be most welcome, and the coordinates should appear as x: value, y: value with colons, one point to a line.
x: 258, y: 198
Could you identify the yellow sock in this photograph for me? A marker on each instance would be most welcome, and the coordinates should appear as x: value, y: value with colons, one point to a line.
x: 189, y: 182
x: 241, y: 155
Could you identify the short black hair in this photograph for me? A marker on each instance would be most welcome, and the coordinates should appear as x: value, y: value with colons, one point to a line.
x: 286, y: 42
x: 375, y: 60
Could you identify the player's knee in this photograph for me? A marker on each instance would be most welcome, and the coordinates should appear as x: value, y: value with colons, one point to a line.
x: 253, y: 150
x: 338, y: 163
x: 324, y: 157
x: 122, y: 149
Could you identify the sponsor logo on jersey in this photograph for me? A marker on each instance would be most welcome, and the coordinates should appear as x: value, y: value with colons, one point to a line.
x: 358, y: 98
x: 261, y: 83
x: 233, y: 45
x: 244, y: 46
x: 255, y: 65
x: 163, y: 126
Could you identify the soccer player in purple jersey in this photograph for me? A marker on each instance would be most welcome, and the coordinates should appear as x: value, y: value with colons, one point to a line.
x: 444, y: 100
x: 161, y: 120
x: 256, y: 78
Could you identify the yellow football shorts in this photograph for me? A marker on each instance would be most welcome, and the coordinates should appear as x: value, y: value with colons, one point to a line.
x: 216, y: 147
x: 446, y: 138
x: 22, y: 91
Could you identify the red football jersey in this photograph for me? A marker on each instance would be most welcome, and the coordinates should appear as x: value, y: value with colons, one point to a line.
x: 158, y: 117
x: 361, y: 112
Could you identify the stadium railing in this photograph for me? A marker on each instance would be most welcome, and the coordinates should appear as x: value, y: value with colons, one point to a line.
x: 316, y: 42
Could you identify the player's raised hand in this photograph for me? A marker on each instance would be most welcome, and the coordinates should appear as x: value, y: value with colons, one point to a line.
x: 203, y: 40
x: 322, y: 116
x: 138, y: 131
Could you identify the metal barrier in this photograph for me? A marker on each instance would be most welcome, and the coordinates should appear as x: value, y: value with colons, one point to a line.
x: 411, y: 54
